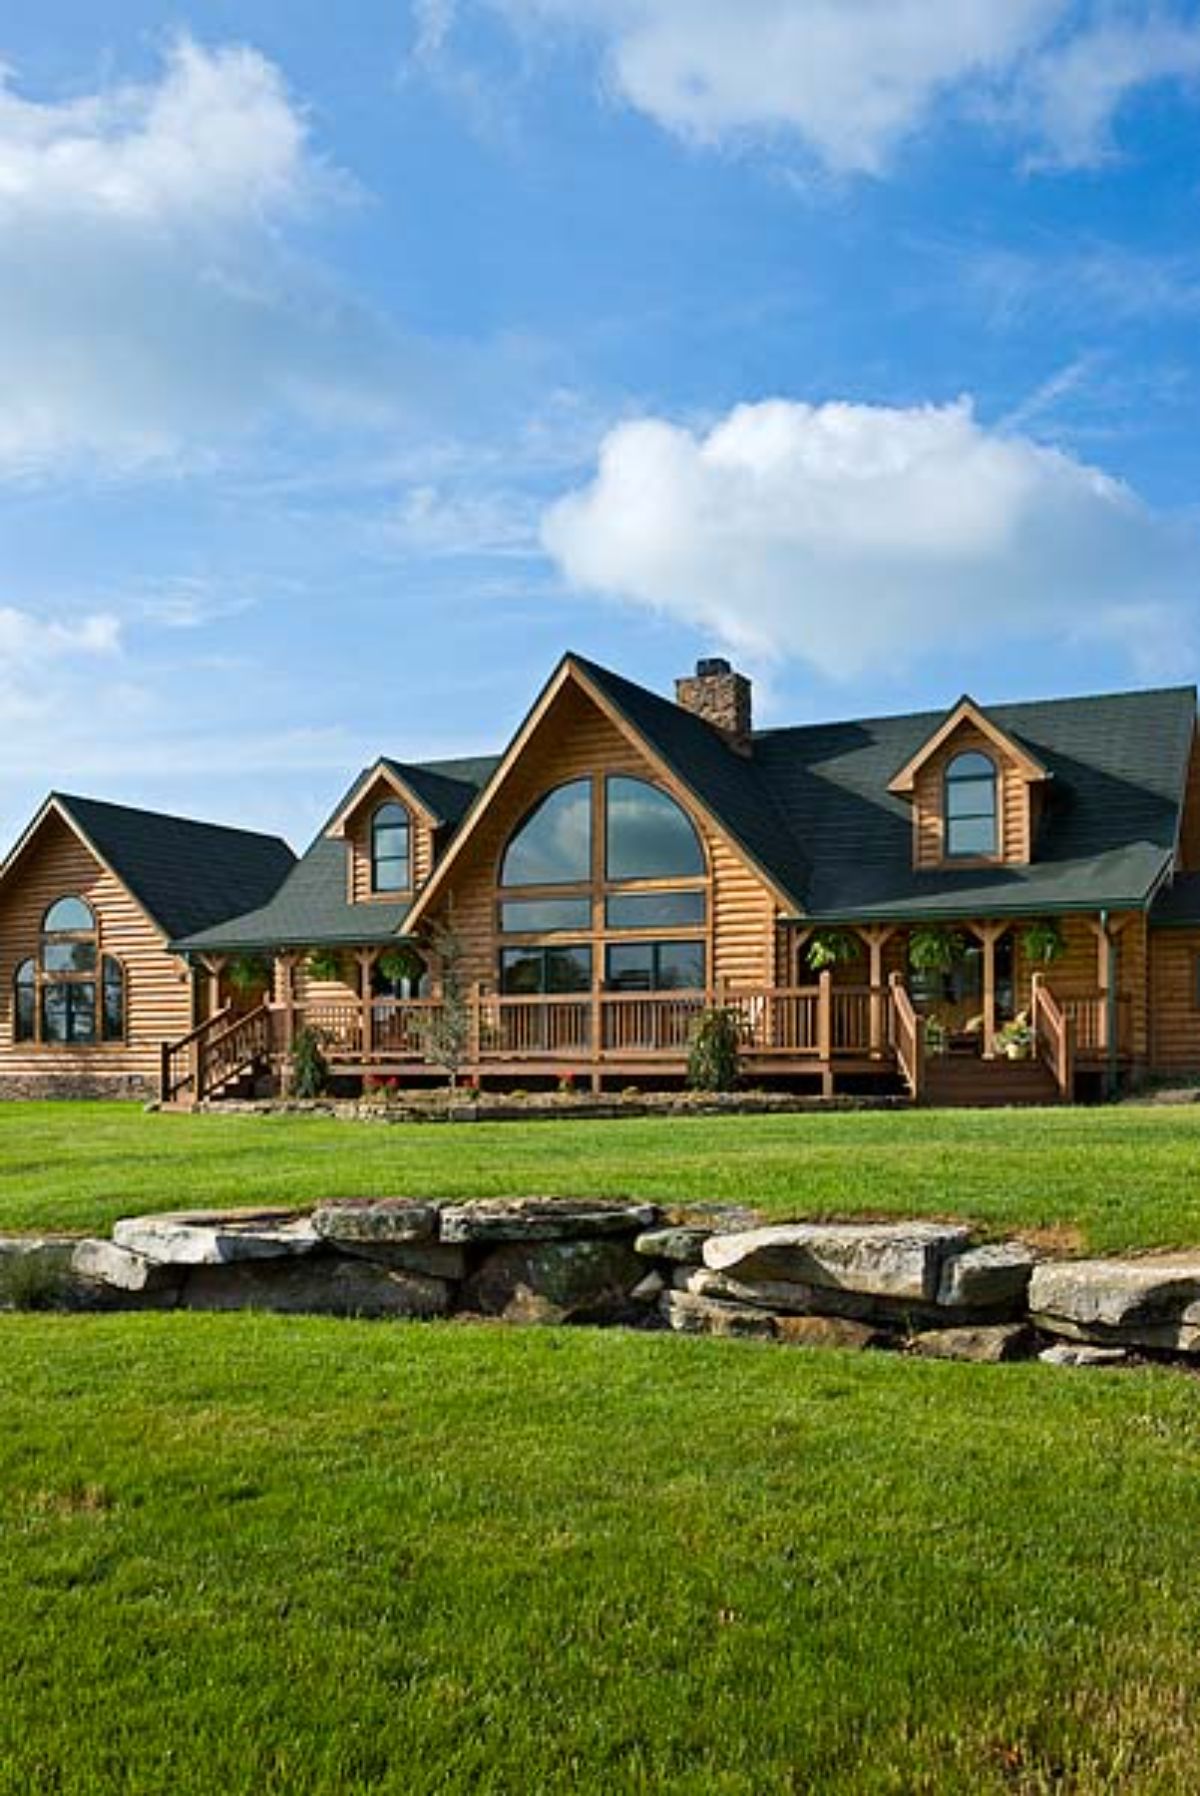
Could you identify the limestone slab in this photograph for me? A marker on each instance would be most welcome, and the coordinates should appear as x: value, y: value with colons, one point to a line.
x: 376, y: 1221
x: 217, y: 1237
x: 104, y: 1263
x: 1152, y: 1302
x: 899, y: 1260
x: 984, y: 1346
x: 497, y: 1220
x: 992, y: 1277
x: 317, y: 1285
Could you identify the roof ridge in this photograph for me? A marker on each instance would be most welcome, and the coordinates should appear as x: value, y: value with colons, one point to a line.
x: 989, y: 707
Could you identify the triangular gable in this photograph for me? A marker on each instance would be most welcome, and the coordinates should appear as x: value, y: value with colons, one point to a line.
x: 383, y: 773
x: 567, y: 672
x: 53, y: 806
x: 967, y: 711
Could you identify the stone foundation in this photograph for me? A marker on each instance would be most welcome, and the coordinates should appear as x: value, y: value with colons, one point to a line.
x: 76, y: 1086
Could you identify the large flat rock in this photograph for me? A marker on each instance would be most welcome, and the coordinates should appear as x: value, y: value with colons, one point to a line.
x: 994, y: 1278
x: 385, y: 1221
x: 896, y: 1260
x: 557, y: 1281
x: 217, y: 1237
x: 542, y: 1219
x: 321, y: 1285
x: 1152, y: 1302
x: 104, y: 1263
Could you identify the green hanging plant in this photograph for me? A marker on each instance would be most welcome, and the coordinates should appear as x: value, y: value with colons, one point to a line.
x: 400, y: 963
x: 248, y: 973
x: 829, y: 948
x: 1043, y: 942
x: 324, y: 964
x: 936, y: 948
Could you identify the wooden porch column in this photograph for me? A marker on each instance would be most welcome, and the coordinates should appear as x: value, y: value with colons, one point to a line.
x: 366, y: 966
x: 287, y: 969
x: 825, y: 1031
x: 475, y: 1026
x: 989, y: 934
x: 214, y: 966
x: 877, y: 937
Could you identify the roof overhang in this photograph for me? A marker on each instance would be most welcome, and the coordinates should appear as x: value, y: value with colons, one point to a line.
x: 381, y: 774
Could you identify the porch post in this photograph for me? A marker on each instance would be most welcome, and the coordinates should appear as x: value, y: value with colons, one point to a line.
x: 1104, y: 980
x: 825, y: 1031
x: 366, y: 962
x: 988, y: 934
x: 876, y: 937
x: 475, y: 1026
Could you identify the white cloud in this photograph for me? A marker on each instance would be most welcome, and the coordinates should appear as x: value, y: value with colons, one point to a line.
x: 25, y: 639
x: 863, y: 538
x: 149, y: 305
x: 851, y: 79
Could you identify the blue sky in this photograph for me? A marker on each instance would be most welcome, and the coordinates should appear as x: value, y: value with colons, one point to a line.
x: 351, y: 369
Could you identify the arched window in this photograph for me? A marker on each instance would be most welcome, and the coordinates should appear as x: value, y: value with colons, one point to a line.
x: 391, y: 849
x: 25, y: 1001
x: 553, y: 846
x: 971, y: 806
x: 649, y: 836
x: 69, y: 916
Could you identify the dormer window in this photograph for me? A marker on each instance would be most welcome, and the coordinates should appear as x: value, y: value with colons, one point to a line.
x: 391, y: 849
x: 972, y: 811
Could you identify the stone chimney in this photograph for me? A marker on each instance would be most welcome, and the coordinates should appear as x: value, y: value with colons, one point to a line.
x: 722, y: 697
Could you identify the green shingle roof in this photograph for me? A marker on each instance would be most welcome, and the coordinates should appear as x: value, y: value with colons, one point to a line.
x: 186, y: 875
x: 811, y: 808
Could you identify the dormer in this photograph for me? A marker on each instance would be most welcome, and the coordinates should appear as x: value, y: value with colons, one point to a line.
x: 975, y: 793
x: 390, y: 834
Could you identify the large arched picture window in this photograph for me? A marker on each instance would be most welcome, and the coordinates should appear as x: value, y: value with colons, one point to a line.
x: 971, y: 806
x: 627, y: 868
x: 391, y: 849
x: 69, y: 995
x: 553, y: 846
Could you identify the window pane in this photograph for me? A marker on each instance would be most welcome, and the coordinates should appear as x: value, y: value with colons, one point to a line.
x: 520, y: 972
x: 81, y: 1001
x: 547, y: 914
x: 114, y: 1001
x: 649, y: 835
x: 553, y: 847
x: 390, y: 859
x: 69, y: 957
x: 24, y: 1002
x: 69, y: 914
x: 568, y: 969
x: 630, y: 967
x: 651, y: 910
x: 680, y: 967
x: 971, y: 835
x: 971, y: 766
x: 55, y: 1013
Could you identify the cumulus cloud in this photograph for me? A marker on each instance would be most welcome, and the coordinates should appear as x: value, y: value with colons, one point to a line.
x: 861, y: 538
x: 148, y: 300
x: 851, y: 79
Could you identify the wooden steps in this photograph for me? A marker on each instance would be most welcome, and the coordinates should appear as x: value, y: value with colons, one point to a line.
x: 956, y: 1081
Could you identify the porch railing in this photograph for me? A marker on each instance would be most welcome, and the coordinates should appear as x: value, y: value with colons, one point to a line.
x: 906, y: 1033
x: 1053, y: 1035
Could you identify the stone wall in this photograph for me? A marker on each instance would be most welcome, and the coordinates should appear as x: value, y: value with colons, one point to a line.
x: 922, y: 1287
x: 76, y: 1085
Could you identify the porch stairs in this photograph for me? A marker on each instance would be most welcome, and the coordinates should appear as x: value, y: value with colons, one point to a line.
x: 221, y: 1058
x: 960, y: 1081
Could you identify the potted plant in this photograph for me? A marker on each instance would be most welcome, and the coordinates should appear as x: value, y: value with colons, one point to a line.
x: 936, y: 1035
x: 324, y: 964
x: 1015, y: 1040
x: 830, y: 948
x: 1043, y: 942
x: 935, y: 948
x: 400, y: 963
x: 248, y: 973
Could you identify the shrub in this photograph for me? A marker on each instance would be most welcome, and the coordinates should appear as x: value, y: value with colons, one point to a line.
x: 310, y: 1069
x: 714, y: 1056
x: 32, y: 1281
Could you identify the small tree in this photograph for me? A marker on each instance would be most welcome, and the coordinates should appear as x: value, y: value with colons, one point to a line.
x: 446, y: 1032
x: 714, y: 1054
x: 310, y: 1069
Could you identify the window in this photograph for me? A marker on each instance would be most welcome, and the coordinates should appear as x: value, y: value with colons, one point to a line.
x: 25, y: 1001
x: 553, y: 846
x: 112, y: 1022
x: 538, y: 972
x: 971, y: 810
x: 649, y: 835
x: 655, y: 910
x: 545, y: 916
x: 655, y: 967
x: 391, y: 850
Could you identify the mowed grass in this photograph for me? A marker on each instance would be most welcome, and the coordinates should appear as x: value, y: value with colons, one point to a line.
x: 256, y: 1554
x: 1103, y: 1180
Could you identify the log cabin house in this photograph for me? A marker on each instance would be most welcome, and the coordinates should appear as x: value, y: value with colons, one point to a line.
x: 90, y: 899
x: 989, y: 905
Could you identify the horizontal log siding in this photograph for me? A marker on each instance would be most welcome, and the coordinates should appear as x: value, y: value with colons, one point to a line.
x: 1175, y: 1010
x: 929, y: 801
x: 574, y: 741
x: 158, y: 985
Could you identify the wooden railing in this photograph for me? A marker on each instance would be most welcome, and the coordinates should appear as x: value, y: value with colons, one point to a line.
x: 178, y: 1074
x: 1091, y: 1019
x: 1053, y: 1035
x: 906, y: 1033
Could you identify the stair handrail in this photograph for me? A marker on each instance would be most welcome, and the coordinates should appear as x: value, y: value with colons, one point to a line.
x: 231, y: 1050
x: 1053, y: 1035
x: 907, y: 1030
x: 170, y: 1082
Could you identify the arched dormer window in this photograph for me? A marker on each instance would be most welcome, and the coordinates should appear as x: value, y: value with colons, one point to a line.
x: 391, y: 849
x: 972, y: 809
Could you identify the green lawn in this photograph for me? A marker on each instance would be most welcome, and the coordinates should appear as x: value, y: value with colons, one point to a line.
x: 255, y: 1554
x: 1105, y: 1179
